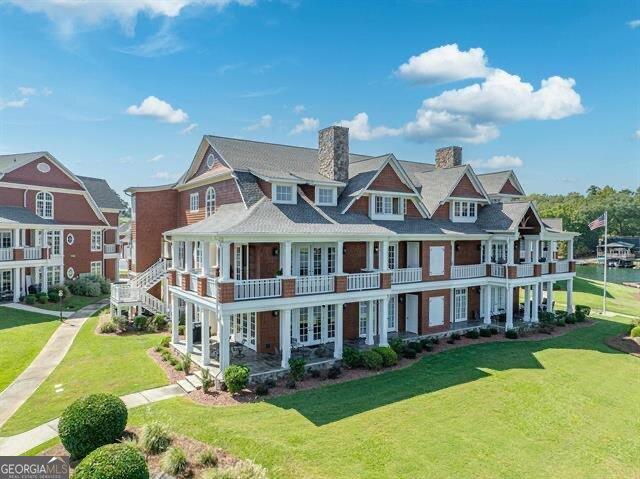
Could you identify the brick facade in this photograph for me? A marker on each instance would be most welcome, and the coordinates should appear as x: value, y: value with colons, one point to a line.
x: 268, y: 332
x: 467, y: 252
x: 424, y: 327
x: 226, y: 192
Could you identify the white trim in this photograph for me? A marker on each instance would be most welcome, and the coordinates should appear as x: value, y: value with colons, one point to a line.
x: 194, y: 206
x: 334, y: 195
x: 28, y: 186
x: 292, y: 188
x: 47, y: 197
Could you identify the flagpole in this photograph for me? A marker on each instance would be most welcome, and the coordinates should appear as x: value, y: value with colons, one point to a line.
x: 604, y: 290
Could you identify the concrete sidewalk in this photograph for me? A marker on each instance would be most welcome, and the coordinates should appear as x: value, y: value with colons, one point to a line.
x: 56, y: 348
x: 21, y: 443
x: 33, y: 309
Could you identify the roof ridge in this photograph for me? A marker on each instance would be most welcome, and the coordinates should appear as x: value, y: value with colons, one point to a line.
x: 493, y: 172
x: 26, y: 153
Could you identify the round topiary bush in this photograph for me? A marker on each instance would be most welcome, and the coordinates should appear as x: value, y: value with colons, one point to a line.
x: 372, y: 359
x: 511, y: 334
x: 113, y: 461
x: 236, y: 377
x: 635, y: 332
x: 91, y: 422
x: 389, y: 356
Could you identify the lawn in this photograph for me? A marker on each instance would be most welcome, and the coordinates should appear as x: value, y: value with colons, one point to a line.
x: 95, y: 363
x: 22, y: 336
x: 72, y: 303
x: 620, y: 299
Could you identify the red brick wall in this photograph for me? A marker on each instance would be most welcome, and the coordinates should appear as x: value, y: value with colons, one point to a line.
x: 402, y: 301
x: 425, y: 253
x: 262, y: 262
x: 510, y: 189
x: 155, y: 214
x: 355, y: 258
x: 467, y: 252
x: 465, y: 189
x: 110, y: 269
x: 350, y: 321
x: 268, y: 332
x: 442, y: 211
x: 11, y: 196
x: 79, y: 255
x: 29, y: 174
x: 112, y: 218
x: 226, y: 193
x: 473, y: 303
x: 423, y: 311
x: 110, y: 236
x: 388, y: 180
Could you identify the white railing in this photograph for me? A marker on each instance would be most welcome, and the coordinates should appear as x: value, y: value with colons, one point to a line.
x: 406, y: 275
x: 361, y: 281
x: 498, y: 270
x: 258, y: 288
x: 468, y: 271
x: 152, y: 303
x: 212, y: 287
x: 315, y: 284
x: 33, y: 253
x: 562, y: 267
x: 151, y: 275
x: 179, y: 279
x: 122, y: 293
x: 109, y: 248
x: 524, y: 270
x: 544, y: 268
x: 193, y: 283
x: 6, y: 254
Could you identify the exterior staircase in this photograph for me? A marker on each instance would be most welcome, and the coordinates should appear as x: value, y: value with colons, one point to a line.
x: 135, y: 291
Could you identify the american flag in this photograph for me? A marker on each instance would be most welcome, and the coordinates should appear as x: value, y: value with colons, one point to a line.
x: 597, y: 223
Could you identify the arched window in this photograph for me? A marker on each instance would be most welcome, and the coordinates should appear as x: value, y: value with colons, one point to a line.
x: 44, y: 204
x: 210, y: 201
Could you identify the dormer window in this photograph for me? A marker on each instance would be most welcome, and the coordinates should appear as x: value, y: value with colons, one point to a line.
x: 387, y: 207
x: 464, y: 211
x: 284, y: 194
x: 326, y: 196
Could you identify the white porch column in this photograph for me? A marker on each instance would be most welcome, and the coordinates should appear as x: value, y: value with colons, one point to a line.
x: 509, y: 310
x: 554, y: 248
x: 224, y: 331
x: 383, y: 322
x: 527, y: 301
x: 286, y: 263
x: 536, y: 251
x: 175, y: 317
x: 550, y: 307
x: 16, y: 238
x: 534, y: 303
x: 570, y: 250
x: 510, y: 251
x: 206, y: 258
x: 370, y: 321
x: 487, y: 251
x: 370, y: 253
x: 338, y: 340
x: 188, y: 255
x: 570, y: 296
x: 188, y: 326
x: 487, y: 304
x: 225, y: 260
x: 174, y: 253
x: 16, y: 285
x: 44, y: 279
x: 206, y: 337
x: 339, y: 257
x: 383, y: 260
x: 285, y: 334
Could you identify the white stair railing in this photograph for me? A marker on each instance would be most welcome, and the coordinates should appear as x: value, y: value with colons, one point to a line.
x: 315, y: 284
x: 362, y: 281
x: 151, y: 275
x: 152, y: 303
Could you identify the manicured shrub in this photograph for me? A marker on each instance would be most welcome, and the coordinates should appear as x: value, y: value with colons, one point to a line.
x: 178, y: 366
x: 424, y: 342
x: 435, y: 340
x: 262, y: 389
x: 246, y: 469
x: 165, y: 355
x: 270, y: 382
x: 113, y: 461
x: 352, y: 358
x: 455, y: 336
x: 398, y: 345
x: 546, y: 317
x: 53, y: 296
x: 635, y: 332
x: 91, y: 422
x: 561, y: 323
x: 122, y: 323
x: 372, y: 359
x: 485, y: 332
x: 570, y: 319
x: 583, y: 309
x: 334, y: 372
x: 159, y: 321
x: 155, y: 438
x: 410, y: 353
x: 165, y: 341
x: 296, y: 368
x: 108, y: 327
x: 451, y: 341
x: 472, y: 334
x: 30, y: 299
x: 493, y: 330
x: 208, y: 458
x: 416, y: 346
x: 42, y: 298
x: 560, y: 314
x: 428, y: 348
x: 56, y: 288
x: 389, y: 356
x: 511, y: 334
x: 236, y: 377
x: 174, y: 362
x: 140, y: 322
x: 207, y: 380
x: 316, y: 373
x: 174, y: 461
x: 580, y: 317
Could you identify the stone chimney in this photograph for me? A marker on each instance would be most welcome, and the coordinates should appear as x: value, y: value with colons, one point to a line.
x: 448, y: 157
x: 333, y: 153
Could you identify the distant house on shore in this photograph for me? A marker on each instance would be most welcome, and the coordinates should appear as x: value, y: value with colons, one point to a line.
x: 619, y: 248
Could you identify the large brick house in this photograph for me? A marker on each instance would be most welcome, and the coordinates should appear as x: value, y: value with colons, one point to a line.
x: 267, y: 251
x: 54, y: 225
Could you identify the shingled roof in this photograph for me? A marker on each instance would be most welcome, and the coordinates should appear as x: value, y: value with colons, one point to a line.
x: 102, y: 194
x: 20, y: 215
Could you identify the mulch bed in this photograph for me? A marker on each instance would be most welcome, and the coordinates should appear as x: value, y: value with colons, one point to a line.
x: 624, y: 343
x: 224, y: 398
x: 191, y: 447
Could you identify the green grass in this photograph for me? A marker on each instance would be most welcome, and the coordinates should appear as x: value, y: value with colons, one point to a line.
x: 72, y: 303
x: 562, y: 407
x: 95, y: 363
x: 22, y: 336
x: 620, y: 299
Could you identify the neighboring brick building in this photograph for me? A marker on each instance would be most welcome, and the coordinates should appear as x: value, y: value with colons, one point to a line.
x: 54, y: 225
x: 288, y: 251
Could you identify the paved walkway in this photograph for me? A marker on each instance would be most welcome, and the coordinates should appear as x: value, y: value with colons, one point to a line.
x: 33, y: 309
x: 56, y: 348
x: 21, y: 443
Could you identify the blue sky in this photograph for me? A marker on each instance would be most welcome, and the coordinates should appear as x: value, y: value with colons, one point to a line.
x: 124, y: 90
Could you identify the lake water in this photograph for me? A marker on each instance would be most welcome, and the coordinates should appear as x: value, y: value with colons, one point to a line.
x: 614, y: 275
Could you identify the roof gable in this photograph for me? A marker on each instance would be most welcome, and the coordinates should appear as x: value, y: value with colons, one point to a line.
x: 102, y: 194
x: 26, y: 169
x: 510, y: 189
x: 466, y: 189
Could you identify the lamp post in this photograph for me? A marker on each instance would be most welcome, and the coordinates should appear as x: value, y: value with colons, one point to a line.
x: 60, y: 296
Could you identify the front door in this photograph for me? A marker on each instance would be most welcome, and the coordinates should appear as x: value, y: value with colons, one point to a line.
x: 413, y: 254
x: 412, y: 313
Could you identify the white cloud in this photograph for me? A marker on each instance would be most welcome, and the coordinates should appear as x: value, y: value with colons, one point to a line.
x: 155, y: 159
x: 264, y: 122
x: 163, y: 42
x: 306, y: 124
x: 27, y: 90
x: 431, y: 124
x: 634, y: 23
x: 360, y: 129
x: 160, y: 109
x: 636, y: 134
x: 444, y: 64
x: 47, y: 91
x: 188, y: 129
x: 498, y: 162
x: 67, y: 14
x: 298, y: 109
x: 13, y: 103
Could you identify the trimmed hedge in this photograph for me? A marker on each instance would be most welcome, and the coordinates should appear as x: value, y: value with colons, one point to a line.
x: 113, y: 461
x: 352, y: 358
x: 389, y: 356
x: 511, y: 334
x: 91, y: 422
x: 372, y: 360
x: 236, y: 377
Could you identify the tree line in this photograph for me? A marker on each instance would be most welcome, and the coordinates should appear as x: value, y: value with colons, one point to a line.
x: 578, y: 210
